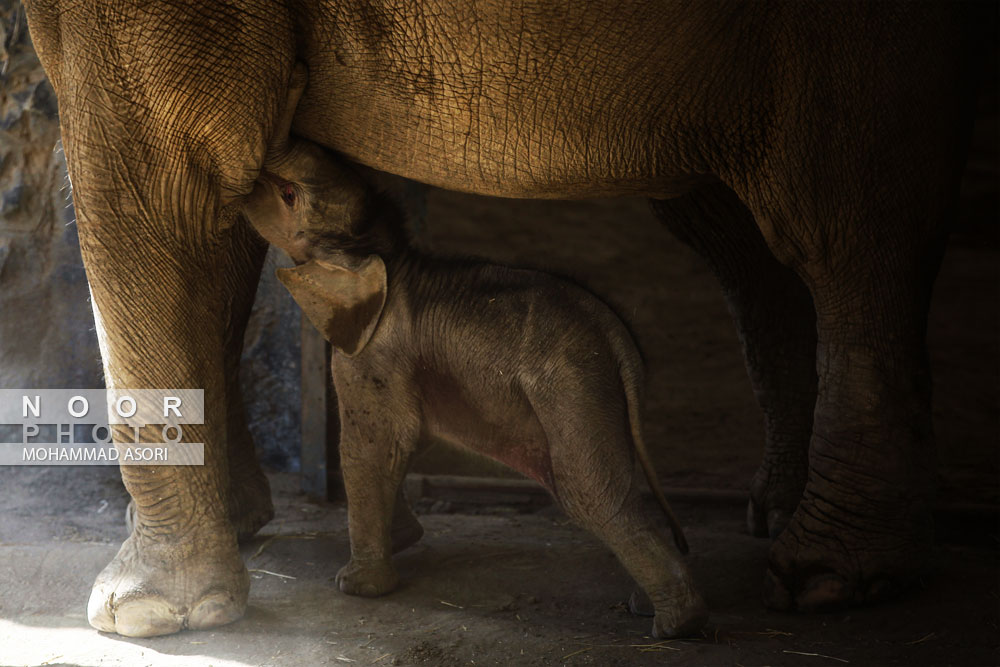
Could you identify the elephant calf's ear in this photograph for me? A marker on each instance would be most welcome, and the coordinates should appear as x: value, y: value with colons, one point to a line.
x: 344, y: 305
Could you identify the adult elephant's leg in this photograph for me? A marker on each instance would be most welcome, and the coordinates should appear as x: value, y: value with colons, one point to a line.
x: 180, y: 566
x: 862, y: 531
x: 249, y: 497
x: 165, y: 122
x: 856, y: 202
x: 776, y: 322
x: 250, y: 506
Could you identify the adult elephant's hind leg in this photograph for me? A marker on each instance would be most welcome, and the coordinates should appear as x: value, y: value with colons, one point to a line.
x: 776, y: 323
x: 862, y: 531
x: 857, y: 202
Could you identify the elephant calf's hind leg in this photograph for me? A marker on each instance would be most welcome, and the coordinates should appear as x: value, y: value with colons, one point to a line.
x: 654, y: 563
x: 596, y: 482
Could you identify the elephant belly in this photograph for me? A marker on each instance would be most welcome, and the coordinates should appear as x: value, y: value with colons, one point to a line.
x: 561, y: 99
x: 495, y: 421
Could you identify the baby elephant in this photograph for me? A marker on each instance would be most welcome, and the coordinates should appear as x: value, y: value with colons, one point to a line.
x: 523, y: 367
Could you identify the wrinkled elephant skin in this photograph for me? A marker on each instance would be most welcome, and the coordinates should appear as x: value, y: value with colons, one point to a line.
x: 809, y: 152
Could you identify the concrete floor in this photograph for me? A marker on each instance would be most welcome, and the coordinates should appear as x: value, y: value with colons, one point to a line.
x: 498, y: 588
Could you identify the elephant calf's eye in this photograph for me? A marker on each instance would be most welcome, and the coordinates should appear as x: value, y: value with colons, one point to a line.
x: 288, y: 194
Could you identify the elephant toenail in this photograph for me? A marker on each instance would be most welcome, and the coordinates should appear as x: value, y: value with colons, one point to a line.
x: 212, y: 611
x: 147, y: 617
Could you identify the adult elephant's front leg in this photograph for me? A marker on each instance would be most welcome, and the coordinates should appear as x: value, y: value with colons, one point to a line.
x: 249, y: 497
x: 159, y: 315
x: 165, y: 120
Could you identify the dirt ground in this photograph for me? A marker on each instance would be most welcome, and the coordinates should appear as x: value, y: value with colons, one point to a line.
x: 487, y: 589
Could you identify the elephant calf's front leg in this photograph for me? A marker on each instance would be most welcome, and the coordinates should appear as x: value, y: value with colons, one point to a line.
x: 373, y: 461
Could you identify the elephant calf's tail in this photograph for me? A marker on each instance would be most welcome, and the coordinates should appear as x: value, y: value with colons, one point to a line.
x: 631, y: 385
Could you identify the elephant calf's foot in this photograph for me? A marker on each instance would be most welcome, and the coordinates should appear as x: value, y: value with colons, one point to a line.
x: 640, y: 604
x: 368, y: 578
x: 676, y: 616
x: 828, y: 558
x: 775, y: 492
x: 160, y: 590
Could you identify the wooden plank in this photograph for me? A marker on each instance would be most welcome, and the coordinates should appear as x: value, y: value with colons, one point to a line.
x: 315, y: 411
x: 483, y: 490
x: 519, y: 492
x: 334, y: 480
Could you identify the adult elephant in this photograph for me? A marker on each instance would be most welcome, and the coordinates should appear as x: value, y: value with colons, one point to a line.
x: 810, y: 152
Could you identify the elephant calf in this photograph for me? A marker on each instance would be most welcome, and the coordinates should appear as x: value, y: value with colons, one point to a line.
x: 521, y: 366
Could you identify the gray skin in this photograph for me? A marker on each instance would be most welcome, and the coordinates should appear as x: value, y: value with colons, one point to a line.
x: 770, y: 135
x: 518, y: 365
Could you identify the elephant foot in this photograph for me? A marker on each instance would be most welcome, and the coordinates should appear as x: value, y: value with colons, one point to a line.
x: 368, y: 578
x: 828, y: 559
x: 775, y: 492
x: 640, y: 604
x: 154, y: 591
